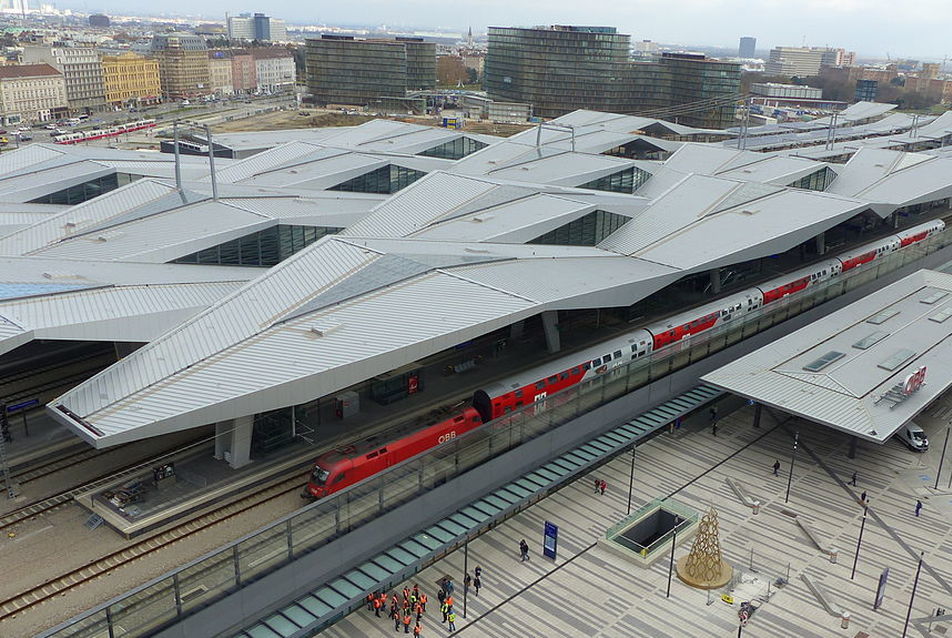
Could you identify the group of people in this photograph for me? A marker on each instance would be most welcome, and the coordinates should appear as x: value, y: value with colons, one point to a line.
x: 402, y: 611
x: 600, y: 485
x: 408, y: 609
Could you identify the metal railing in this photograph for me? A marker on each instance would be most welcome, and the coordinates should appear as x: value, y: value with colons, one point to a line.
x: 209, y: 578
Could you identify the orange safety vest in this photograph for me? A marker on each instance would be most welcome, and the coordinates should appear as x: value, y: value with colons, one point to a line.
x: 449, y: 601
x: 423, y: 598
x: 418, y: 608
x: 407, y: 619
x: 377, y: 603
x: 417, y: 630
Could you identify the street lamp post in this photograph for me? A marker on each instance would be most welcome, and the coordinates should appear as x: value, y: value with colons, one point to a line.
x: 915, y: 585
x: 465, y: 573
x: 859, y: 541
x: 674, y: 539
x: 793, y: 458
x: 942, y: 457
x: 631, y: 478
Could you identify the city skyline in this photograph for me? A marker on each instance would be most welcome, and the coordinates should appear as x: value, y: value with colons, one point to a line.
x: 701, y: 22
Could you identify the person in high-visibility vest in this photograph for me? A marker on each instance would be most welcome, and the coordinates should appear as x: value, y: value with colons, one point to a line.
x: 423, y: 601
x: 377, y: 605
x: 445, y: 609
x: 418, y: 610
x: 370, y: 600
x: 452, y: 620
x: 417, y: 630
x: 406, y: 623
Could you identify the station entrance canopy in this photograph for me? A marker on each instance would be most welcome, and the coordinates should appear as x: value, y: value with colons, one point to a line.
x: 867, y: 369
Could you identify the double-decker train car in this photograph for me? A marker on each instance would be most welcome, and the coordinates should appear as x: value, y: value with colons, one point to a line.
x: 799, y: 280
x: 697, y: 320
x: 335, y: 470
x: 539, y: 382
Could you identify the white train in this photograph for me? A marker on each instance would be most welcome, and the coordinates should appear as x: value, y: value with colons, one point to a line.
x: 97, y: 134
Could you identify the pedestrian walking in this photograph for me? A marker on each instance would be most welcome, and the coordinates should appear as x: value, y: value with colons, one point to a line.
x: 714, y: 428
x: 452, y: 620
x: 449, y: 602
x: 449, y: 586
x: 776, y: 467
x: 598, y: 484
x: 713, y: 414
x: 445, y: 609
x: 418, y: 609
x: 677, y: 423
x: 397, y: 619
x: 603, y: 487
x: 918, y: 507
x: 852, y: 480
x: 441, y: 595
x: 478, y: 571
x: 406, y: 593
x: 378, y: 603
x: 406, y: 623
x: 862, y: 497
x: 406, y: 605
x: 467, y: 582
x: 423, y: 600
x: 417, y: 630
x: 370, y: 601
x: 524, y: 548
x: 394, y: 612
x: 477, y: 584
x: 416, y: 591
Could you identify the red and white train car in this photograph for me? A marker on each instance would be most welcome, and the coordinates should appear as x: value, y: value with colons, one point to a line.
x: 799, y: 280
x: 697, y: 320
x: 539, y: 382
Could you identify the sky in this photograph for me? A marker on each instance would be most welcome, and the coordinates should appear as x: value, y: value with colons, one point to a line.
x: 870, y: 27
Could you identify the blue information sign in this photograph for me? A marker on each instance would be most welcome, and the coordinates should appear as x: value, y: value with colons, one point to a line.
x: 23, y: 405
x: 550, y: 542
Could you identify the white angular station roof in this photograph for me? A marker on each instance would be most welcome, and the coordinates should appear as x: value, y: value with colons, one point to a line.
x: 98, y: 301
x: 442, y: 261
x: 844, y: 370
x: 144, y: 221
x: 38, y: 169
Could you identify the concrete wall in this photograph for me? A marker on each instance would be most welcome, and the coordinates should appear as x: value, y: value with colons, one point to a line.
x: 342, y: 554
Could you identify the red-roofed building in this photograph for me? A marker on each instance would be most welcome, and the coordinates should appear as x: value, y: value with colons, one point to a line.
x: 31, y: 92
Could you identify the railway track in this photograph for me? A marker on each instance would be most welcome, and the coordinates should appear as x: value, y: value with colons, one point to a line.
x: 76, y: 577
x: 50, y: 503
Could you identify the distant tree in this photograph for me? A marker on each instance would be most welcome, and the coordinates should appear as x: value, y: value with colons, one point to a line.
x: 914, y: 100
x: 450, y: 70
x: 473, y: 75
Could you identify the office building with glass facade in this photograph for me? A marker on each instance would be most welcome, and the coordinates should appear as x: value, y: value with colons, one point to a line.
x: 345, y: 70
x: 563, y: 68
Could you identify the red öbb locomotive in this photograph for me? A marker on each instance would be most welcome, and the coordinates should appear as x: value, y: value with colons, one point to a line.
x: 341, y: 468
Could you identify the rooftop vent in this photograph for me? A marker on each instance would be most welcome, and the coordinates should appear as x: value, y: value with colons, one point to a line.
x: 882, y: 317
x: 934, y: 297
x: 897, y: 359
x: 870, y: 340
x: 942, y: 315
x: 818, y: 364
x: 324, y: 329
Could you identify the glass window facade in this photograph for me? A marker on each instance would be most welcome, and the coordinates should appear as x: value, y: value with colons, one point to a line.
x: 343, y: 70
x: 264, y: 248
x: 560, y: 69
x: 588, y: 230
x: 87, y: 190
x: 385, y: 180
x: 626, y: 181
x: 816, y: 181
x: 455, y: 149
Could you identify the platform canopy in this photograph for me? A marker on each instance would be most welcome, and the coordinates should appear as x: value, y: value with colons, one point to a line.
x: 867, y: 369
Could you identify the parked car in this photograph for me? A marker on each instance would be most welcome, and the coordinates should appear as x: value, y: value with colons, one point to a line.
x: 914, y: 437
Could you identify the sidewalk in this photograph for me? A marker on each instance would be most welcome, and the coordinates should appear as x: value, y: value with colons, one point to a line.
x: 590, y: 591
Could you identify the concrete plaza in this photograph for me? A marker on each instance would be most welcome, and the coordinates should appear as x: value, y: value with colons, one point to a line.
x: 590, y: 591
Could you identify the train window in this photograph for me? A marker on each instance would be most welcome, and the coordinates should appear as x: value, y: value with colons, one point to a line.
x: 458, y: 419
x: 617, y: 353
x: 382, y: 450
x: 552, y: 379
x: 372, y: 455
x: 519, y: 393
x: 634, y: 348
x: 340, y: 477
x: 596, y: 363
x: 607, y: 357
x: 540, y: 385
x: 586, y: 366
x: 563, y: 376
x: 518, y: 403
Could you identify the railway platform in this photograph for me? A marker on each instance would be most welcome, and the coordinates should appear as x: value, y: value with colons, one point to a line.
x: 588, y: 590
